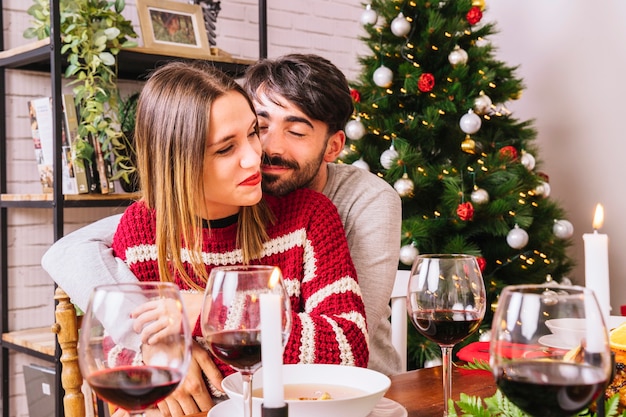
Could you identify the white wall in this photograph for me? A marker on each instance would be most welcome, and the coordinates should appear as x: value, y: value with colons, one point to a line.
x: 570, y: 57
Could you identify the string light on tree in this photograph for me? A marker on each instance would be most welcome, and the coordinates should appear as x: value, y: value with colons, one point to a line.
x: 404, y: 186
x: 517, y: 238
x: 383, y: 77
x: 563, y: 229
x: 388, y: 157
x: 408, y: 253
x: 400, y: 26
x: 369, y: 16
x: 354, y: 129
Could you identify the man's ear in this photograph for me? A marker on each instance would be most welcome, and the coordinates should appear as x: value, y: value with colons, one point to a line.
x: 334, y: 146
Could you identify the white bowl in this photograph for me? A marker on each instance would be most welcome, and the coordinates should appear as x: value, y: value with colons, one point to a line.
x: 354, y: 391
x: 569, y: 330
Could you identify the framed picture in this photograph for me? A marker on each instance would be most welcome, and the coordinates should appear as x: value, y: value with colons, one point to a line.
x: 173, y: 28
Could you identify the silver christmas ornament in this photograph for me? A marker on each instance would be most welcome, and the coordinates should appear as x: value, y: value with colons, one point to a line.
x: 543, y: 189
x: 458, y: 56
x: 354, y: 129
x: 563, y: 229
x: 528, y: 160
x: 482, y: 104
x: 480, y: 196
x: 400, y: 26
x: 404, y: 186
x: 388, y: 157
x: 383, y: 77
x: 369, y: 16
x: 470, y: 123
x: 517, y: 238
x: 408, y: 253
x: 360, y: 163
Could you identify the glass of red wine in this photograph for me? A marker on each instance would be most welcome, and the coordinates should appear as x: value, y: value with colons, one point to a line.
x: 231, y: 319
x: 545, y: 372
x: 446, y: 304
x: 135, y: 343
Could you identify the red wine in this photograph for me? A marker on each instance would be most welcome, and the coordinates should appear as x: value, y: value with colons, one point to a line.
x: 549, y: 388
x: 240, y: 349
x: 134, y: 388
x: 446, y: 327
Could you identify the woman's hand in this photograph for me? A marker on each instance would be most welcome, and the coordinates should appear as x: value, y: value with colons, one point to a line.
x: 157, y: 319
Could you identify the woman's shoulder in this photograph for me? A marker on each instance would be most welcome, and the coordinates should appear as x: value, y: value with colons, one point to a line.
x: 137, y: 212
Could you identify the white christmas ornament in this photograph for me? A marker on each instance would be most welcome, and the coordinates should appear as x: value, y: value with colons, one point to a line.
x: 404, y: 186
x: 400, y: 26
x: 369, y: 16
x: 388, y: 157
x: 470, y: 123
x: 528, y: 160
x: 408, y: 253
x: 354, y: 129
x: 517, y: 238
x: 431, y: 363
x: 563, y: 229
x: 383, y: 76
x: 482, y: 104
x: 480, y: 196
x: 543, y: 189
x: 457, y: 57
x: 360, y: 163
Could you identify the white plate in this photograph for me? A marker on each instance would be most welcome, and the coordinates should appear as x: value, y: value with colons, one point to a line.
x: 384, y: 408
x: 554, y: 341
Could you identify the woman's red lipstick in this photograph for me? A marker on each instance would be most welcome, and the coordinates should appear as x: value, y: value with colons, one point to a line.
x: 252, y: 180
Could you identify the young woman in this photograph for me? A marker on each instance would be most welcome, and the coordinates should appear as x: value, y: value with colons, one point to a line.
x: 199, y: 158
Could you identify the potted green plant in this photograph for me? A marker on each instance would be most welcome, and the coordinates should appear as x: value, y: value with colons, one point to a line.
x: 92, y: 34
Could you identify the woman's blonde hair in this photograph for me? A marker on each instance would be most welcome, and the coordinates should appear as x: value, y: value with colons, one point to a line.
x: 171, y: 132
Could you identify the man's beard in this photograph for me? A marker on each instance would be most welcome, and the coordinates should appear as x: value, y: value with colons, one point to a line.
x: 301, y: 177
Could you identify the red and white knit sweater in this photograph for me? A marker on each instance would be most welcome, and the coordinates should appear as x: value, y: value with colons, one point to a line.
x: 308, y: 243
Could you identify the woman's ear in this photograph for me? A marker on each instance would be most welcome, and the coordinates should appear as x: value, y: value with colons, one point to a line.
x: 334, y: 146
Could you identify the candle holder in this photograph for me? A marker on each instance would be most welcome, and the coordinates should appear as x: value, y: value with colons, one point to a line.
x: 275, y: 411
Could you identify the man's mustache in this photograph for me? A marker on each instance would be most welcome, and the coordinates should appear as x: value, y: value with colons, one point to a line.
x: 278, y: 161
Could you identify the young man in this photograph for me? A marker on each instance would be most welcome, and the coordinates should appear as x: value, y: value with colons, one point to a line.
x: 303, y: 103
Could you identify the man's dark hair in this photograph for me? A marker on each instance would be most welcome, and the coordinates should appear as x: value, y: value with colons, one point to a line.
x: 309, y: 81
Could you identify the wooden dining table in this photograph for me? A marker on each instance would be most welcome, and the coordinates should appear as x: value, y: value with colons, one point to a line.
x: 420, y: 391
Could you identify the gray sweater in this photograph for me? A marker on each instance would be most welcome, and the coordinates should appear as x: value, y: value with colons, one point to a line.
x: 370, y: 210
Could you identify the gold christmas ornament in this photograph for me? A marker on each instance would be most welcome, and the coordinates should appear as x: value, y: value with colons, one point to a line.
x: 479, y: 3
x: 468, y: 145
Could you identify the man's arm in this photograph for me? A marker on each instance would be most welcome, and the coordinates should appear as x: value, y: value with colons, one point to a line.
x: 84, y: 259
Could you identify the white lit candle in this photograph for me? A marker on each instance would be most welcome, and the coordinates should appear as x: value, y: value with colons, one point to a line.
x: 597, y: 263
x: 272, y: 351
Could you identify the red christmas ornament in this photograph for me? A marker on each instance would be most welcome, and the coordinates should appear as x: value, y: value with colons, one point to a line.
x: 356, y: 96
x: 465, y: 211
x: 508, y: 152
x: 543, y: 176
x: 474, y: 15
x: 426, y: 82
x: 482, y: 263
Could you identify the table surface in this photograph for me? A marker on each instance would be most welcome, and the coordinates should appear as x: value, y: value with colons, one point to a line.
x: 420, y: 391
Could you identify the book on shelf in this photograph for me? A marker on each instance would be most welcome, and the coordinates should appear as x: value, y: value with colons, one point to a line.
x: 71, y: 156
x: 42, y: 130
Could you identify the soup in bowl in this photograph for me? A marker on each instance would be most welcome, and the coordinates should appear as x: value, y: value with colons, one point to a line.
x: 318, y: 390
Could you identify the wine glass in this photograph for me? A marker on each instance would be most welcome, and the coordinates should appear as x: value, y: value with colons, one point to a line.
x: 135, y: 362
x: 446, y: 303
x: 231, y: 319
x: 545, y: 373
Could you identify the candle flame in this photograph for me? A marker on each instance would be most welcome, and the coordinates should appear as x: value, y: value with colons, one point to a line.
x: 598, y: 217
x: 275, y: 277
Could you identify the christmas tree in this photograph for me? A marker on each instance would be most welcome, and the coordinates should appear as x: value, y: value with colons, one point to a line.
x: 431, y: 119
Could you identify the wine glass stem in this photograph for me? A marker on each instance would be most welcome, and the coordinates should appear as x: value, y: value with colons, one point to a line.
x: 247, y: 393
x: 446, y: 361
